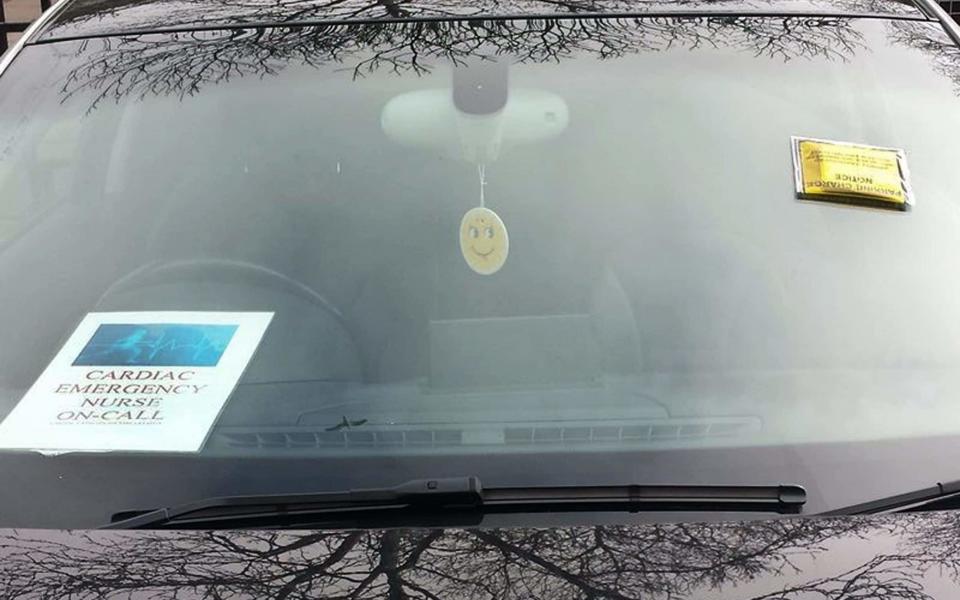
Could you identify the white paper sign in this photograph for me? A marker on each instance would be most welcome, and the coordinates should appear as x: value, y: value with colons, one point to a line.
x: 136, y: 381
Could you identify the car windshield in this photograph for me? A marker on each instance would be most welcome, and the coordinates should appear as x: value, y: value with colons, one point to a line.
x: 279, y: 259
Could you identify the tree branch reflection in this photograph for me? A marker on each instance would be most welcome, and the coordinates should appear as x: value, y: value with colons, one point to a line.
x: 142, y: 15
x: 181, y: 64
x: 611, y: 562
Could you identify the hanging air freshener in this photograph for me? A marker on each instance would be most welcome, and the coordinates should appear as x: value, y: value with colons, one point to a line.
x: 483, y: 236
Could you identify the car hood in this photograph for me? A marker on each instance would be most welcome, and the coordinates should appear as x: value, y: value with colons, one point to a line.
x: 907, y: 556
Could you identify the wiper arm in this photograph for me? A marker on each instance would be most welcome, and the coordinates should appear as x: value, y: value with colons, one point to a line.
x: 457, y: 501
x: 942, y: 496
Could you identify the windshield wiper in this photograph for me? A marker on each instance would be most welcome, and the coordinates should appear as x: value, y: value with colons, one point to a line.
x: 942, y: 496
x: 458, y: 501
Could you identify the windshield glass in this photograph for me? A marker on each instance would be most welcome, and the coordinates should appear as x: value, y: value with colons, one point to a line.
x: 470, y: 240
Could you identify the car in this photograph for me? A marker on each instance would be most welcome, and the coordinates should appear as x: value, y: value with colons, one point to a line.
x: 503, y: 299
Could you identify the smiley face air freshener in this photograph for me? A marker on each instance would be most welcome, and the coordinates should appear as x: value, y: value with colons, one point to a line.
x: 484, y: 242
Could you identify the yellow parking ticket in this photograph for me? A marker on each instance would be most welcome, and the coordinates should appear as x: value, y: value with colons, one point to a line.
x: 851, y: 173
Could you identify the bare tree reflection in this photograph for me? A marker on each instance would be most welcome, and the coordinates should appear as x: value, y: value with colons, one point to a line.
x: 134, y: 15
x: 612, y: 562
x: 928, y: 545
x: 182, y: 63
x: 933, y: 42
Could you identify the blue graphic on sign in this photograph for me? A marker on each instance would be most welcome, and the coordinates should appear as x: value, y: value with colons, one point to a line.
x: 156, y: 345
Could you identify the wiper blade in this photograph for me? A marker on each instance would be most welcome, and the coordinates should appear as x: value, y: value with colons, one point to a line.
x: 458, y: 501
x: 942, y: 496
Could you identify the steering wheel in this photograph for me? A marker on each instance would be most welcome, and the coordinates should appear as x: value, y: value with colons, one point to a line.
x: 307, y: 340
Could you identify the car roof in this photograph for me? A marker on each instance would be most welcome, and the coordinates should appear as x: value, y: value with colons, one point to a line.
x: 92, y: 18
